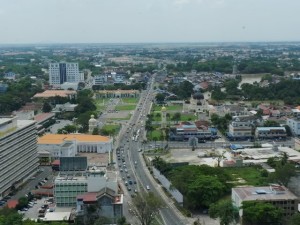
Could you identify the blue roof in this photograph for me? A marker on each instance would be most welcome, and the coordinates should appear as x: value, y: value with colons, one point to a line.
x: 236, y: 146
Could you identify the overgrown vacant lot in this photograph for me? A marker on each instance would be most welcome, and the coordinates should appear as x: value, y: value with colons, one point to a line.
x: 253, y: 175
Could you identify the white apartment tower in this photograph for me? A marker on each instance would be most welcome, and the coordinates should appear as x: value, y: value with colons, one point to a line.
x: 60, y: 73
x: 18, y: 152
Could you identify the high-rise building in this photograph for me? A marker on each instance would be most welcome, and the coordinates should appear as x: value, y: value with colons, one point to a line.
x: 18, y: 152
x: 60, y: 73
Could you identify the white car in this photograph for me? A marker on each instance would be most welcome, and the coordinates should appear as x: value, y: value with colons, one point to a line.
x: 147, y: 187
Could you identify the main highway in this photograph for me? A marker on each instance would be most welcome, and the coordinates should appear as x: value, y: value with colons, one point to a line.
x: 131, y: 166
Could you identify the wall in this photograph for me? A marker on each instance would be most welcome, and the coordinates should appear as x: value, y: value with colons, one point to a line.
x: 166, y: 184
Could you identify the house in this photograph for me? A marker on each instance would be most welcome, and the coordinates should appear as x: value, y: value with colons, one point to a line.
x: 240, y: 128
x: 106, y: 199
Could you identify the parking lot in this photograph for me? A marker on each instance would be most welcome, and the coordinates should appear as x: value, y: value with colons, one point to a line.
x: 39, y: 208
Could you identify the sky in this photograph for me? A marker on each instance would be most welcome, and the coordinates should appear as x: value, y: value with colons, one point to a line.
x: 144, y: 21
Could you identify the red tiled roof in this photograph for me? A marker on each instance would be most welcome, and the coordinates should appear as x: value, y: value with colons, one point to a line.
x: 11, y: 204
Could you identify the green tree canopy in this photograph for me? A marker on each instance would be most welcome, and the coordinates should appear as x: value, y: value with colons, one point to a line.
x: 257, y: 213
x: 225, y: 211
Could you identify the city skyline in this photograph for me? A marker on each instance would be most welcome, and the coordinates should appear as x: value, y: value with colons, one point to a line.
x: 152, y: 21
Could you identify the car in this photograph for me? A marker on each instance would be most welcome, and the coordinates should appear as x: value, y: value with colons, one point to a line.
x: 140, y: 150
x: 121, y: 170
x: 130, y: 182
x: 128, y: 176
x: 135, y: 191
x: 134, y: 182
x: 129, y: 188
x: 147, y: 187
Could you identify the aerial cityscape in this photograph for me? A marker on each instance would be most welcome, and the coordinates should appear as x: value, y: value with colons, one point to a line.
x: 149, y: 113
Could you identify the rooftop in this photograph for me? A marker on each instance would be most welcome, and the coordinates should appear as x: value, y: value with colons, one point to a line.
x: 266, y: 193
x: 43, y: 117
x: 61, y: 138
x: 53, y: 93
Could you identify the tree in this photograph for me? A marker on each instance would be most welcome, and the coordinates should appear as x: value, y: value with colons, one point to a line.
x: 46, y: 107
x: 256, y: 213
x: 95, y: 131
x: 295, y: 219
x: 121, y: 221
x: 271, y: 123
x: 22, y: 202
x: 224, y: 210
x: 176, y: 117
x: 160, y: 98
x: 147, y: 206
x: 283, y: 173
x: 102, y: 221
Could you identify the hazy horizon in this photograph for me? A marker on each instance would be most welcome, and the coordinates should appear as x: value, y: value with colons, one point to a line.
x: 148, y: 21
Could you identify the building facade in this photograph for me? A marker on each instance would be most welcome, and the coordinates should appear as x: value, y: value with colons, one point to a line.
x: 270, y: 133
x: 60, y: 73
x: 68, y: 145
x: 277, y: 195
x: 294, y: 124
x: 70, y: 184
x: 18, y: 152
x: 117, y: 94
x: 240, y: 128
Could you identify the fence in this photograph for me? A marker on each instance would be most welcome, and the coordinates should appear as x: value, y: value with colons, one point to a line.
x: 167, y: 184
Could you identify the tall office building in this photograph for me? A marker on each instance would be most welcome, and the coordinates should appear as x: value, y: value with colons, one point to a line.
x: 18, y: 152
x: 60, y: 73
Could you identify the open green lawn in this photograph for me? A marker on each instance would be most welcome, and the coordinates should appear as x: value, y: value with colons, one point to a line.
x: 125, y: 107
x: 111, y: 129
x: 154, y: 134
x: 130, y: 100
x: 169, y: 108
x: 251, y: 175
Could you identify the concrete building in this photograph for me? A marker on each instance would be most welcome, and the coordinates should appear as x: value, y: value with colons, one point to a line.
x: 294, y: 124
x: 60, y: 73
x: 18, y: 152
x: 117, y: 94
x: 240, y: 128
x: 277, y: 195
x: 68, y: 145
x: 70, y: 184
x: 270, y: 133
x: 53, y: 93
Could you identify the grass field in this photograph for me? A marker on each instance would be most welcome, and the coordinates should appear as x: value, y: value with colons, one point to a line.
x: 125, y: 107
x: 170, y: 108
x: 111, y: 129
x: 154, y: 134
x: 251, y: 175
x: 130, y: 100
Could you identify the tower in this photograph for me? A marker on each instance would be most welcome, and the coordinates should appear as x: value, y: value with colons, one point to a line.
x: 163, y: 117
x: 92, y: 124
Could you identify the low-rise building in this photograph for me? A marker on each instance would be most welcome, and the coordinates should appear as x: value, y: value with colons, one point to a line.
x: 110, y: 202
x: 53, y: 93
x: 70, y: 184
x: 240, y: 128
x: 68, y: 145
x: 117, y: 94
x: 270, y: 133
x: 277, y: 195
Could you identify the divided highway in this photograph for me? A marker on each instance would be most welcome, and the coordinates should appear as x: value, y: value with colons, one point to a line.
x: 129, y: 158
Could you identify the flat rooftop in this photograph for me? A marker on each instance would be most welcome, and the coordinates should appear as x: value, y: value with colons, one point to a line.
x: 264, y: 193
x: 60, y: 138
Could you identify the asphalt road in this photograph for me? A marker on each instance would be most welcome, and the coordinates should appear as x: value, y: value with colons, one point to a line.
x: 129, y: 150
